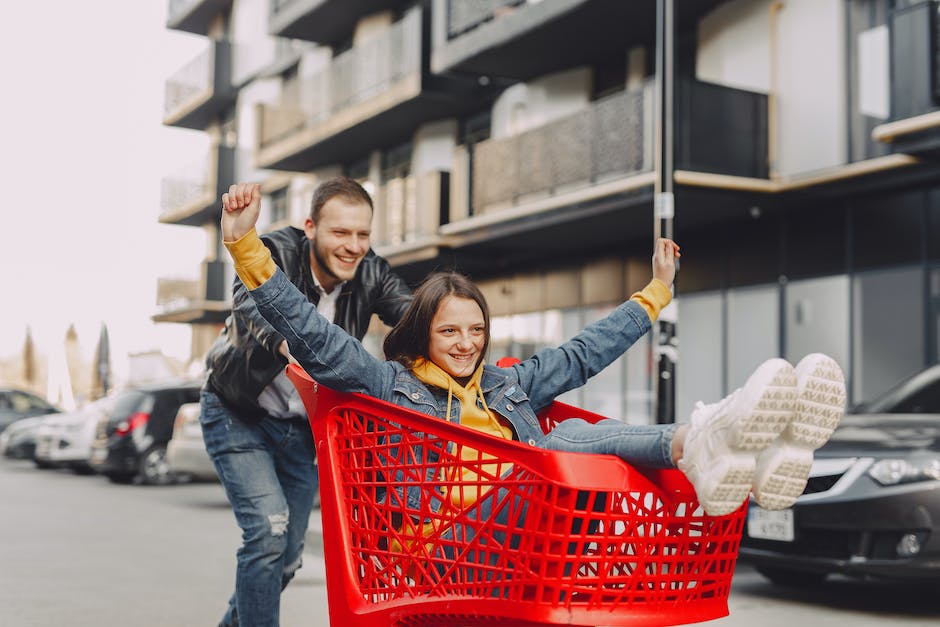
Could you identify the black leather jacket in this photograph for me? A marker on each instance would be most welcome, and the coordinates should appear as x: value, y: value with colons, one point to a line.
x: 245, y: 358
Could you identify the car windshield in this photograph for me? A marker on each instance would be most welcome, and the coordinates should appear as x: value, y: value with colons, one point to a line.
x: 130, y: 402
x: 918, y: 394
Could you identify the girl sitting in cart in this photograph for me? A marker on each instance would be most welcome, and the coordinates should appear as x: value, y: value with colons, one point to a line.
x: 759, y: 440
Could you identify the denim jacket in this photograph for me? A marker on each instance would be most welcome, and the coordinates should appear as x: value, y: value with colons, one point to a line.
x: 338, y: 361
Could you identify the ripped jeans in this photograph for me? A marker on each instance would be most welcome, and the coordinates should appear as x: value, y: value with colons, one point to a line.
x: 268, y: 469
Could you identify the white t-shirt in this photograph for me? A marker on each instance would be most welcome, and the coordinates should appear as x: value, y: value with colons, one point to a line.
x: 280, y: 397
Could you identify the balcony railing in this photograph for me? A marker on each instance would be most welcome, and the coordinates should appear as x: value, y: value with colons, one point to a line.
x: 409, y: 209
x: 191, y: 195
x: 463, y: 15
x: 611, y: 138
x: 200, y: 89
x: 194, y: 16
x: 710, y: 115
x: 191, y: 300
x: 354, y: 77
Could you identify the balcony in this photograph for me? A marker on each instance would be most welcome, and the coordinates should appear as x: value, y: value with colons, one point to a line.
x: 914, y: 127
x: 519, y: 39
x: 408, y: 213
x: 582, y: 183
x: 201, y: 89
x: 191, y: 196
x: 710, y: 115
x: 326, y: 22
x: 370, y: 97
x: 194, y: 16
x: 194, y: 301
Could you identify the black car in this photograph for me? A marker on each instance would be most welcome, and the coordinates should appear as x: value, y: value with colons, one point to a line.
x: 130, y: 441
x: 871, y: 508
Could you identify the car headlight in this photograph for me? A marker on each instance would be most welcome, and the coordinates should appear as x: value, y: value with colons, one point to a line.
x: 897, y: 471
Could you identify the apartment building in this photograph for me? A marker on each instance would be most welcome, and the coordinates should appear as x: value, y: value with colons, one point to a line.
x: 515, y: 140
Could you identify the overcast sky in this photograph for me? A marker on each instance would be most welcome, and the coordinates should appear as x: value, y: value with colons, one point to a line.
x: 83, y: 151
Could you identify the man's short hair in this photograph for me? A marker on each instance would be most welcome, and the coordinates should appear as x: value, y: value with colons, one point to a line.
x: 338, y: 186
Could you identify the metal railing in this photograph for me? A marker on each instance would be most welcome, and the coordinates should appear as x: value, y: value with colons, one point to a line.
x: 189, y: 184
x: 194, y: 78
x: 408, y: 208
x: 610, y: 138
x: 465, y: 15
x: 280, y: 5
x: 174, y: 293
x: 175, y: 8
x: 354, y: 77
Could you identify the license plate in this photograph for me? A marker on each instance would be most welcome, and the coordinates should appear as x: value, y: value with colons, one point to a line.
x: 770, y: 525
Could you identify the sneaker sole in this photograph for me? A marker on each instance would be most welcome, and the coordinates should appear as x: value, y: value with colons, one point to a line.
x: 760, y: 417
x: 783, y: 468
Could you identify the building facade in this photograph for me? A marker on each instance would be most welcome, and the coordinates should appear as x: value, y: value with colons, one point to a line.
x: 516, y: 141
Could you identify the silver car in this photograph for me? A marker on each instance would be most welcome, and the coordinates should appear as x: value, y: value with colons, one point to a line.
x: 186, y: 452
x: 64, y: 440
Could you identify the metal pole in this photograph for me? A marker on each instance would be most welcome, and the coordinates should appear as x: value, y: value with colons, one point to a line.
x: 666, y: 342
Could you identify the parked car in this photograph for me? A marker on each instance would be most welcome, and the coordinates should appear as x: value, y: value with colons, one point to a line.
x: 18, y: 404
x: 186, y: 453
x: 871, y: 508
x: 130, y: 440
x: 64, y: 440
x: 18, y: 441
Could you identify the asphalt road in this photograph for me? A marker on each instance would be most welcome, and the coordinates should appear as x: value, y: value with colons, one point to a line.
x: 83, y: 552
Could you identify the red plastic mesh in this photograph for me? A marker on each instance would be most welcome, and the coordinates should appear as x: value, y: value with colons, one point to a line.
x: 569, y: 539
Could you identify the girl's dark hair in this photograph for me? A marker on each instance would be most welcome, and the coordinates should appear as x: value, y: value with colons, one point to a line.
x: 410, y: 338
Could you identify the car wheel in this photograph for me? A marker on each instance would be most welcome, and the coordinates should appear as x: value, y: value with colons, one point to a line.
x: 791, y: 578
x: 43, y: 464
x: 154, y: 469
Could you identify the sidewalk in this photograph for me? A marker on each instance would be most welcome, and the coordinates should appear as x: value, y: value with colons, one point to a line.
x: 304, y: 600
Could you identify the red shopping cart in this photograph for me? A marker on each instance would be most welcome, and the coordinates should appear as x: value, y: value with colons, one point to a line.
x: 543, y: 538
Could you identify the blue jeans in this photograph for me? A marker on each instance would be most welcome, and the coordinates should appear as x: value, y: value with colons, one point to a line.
x: 268, y: 469
x: 649, y: 446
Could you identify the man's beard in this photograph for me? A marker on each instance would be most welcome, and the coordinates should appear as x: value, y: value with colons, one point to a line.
x: 321, y: 260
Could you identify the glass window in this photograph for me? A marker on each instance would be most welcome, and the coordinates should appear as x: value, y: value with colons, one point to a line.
x: 699, y: 373
x: 605, y: 392
x: 888, y: 341
x: 817, y: 319
x: 280, y: 206
x: 753, y: 333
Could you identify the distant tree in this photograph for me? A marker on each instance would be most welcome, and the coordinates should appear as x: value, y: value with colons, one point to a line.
x: 101, y: 368
x: 29, y: 359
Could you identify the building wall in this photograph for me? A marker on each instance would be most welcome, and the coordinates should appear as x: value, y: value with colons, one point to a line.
x: 806, y: 72
x: 850, y: 274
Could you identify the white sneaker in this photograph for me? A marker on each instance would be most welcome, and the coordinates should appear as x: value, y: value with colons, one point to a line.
x: 782, y: 469
x: 725, y: 438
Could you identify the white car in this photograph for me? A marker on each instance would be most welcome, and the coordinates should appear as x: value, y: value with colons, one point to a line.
x: 186, y: 452
x: 64, y: 440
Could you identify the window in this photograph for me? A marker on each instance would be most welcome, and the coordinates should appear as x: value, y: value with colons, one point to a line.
x: 280, y: 206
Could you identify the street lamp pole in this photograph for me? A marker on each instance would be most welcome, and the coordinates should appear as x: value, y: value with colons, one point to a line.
x: 665, y: 347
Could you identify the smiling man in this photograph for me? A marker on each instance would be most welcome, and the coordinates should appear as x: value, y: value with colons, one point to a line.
x: 253, y: 423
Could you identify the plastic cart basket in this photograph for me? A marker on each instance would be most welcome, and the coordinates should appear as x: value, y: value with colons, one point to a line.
x: 550, y: 539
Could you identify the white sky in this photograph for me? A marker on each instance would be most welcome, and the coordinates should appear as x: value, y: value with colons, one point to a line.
x: 82, y: 154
